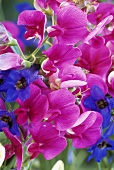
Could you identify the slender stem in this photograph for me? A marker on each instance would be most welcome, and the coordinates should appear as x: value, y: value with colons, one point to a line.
x: 53, y: 20
x: 99, y: 166
x: 21, y: 53
x: 37, y: 49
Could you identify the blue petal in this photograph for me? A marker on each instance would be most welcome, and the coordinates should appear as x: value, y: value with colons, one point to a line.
x: 110, y: 130
x: 90, y: 103
x: 106, y: 117
x: 24, y: 94
x: 14, y: 76
x: 11, y: 94
x: 99, y: 154
x: 3, y: 124
x: 96, y: 93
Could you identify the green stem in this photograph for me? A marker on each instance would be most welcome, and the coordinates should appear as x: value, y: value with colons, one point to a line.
x: 37, y: 49
x: 53, y: 20
x: 99, y: 166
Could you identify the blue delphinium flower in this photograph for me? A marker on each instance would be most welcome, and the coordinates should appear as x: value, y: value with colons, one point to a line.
x: 17, y: 84
x: 7, y: 119
x: 3, y: 76
x: 97, y: 101
x: 99, y: 150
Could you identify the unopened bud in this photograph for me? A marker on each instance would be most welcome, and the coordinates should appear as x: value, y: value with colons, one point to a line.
x: 4, y: 39
x: 26, y: 63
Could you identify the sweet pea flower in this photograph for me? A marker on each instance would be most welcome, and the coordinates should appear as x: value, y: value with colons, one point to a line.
x: 34, y: 22
x: 62, y: 109
x: 86, y: 130
x: 9, y: 61
x: 47, y: 141
x: 2, y: 154
x: 15, y: 148
x: 110, y: 81
x: 104, y: 10
x: 34, y: 108
x: 68, y: 77
x: 59, y: 56
x: 94, y: 60
x: 98, y: 29
x: 70, y: 27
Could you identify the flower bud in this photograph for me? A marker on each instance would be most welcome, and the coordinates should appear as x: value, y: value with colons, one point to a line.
x: 4, y: 39
x: 26, y: 63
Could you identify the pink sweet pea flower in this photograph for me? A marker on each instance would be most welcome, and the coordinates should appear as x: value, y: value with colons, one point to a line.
x: 34, y: 108
x: 110, y: 83
x: 59, y: 56
x: 94, y: 60
x: 104, y: 10
x: 15, y: 148
x: 71, y: 25
x: 99, y: 28
x: 68, y: 77
x: 86, y: 130
x: 10, y: 60
x: 34, y: 22
x: 62, y: 109
x: 47, y: 141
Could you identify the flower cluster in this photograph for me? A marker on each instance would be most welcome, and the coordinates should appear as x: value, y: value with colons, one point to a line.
x: 65, y: 91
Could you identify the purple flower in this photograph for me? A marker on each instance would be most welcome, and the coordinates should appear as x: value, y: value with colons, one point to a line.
x: 59, y: 55
x: 62, y: 109
x: 47, y: 141
x: 71, y: 25
x: 9, y: 61
x: 34, y: 22
x: 86, y: 130
x: 34, y: 108
x: 68, y: 77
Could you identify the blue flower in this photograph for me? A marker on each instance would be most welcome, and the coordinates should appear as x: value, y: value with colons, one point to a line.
x: 99, y: 150
x: 17, y: 84
x: 97, y: 101
x: 7, y: 119
x: 3, y: 76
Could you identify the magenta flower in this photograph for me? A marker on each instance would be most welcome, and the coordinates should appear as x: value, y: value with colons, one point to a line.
x: 14, y: 148
x: 68, y: 77
x: 47, y: 141
x: 104, y: 9
x: 34, y: 22
x: 99, y: 28
x: 71, y: 25
x: 59, y: 56
x: 94, y: 60
x: 86, y: 130
x: 62, y: 109
x: 9, y: 61
x: 34, y: 108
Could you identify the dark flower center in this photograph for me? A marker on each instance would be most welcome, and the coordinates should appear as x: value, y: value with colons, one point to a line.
x: 7, y: 120
x: 102, y: 104
x: 21, y: 84
x: 1, y: 81
x: 103, y: 145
